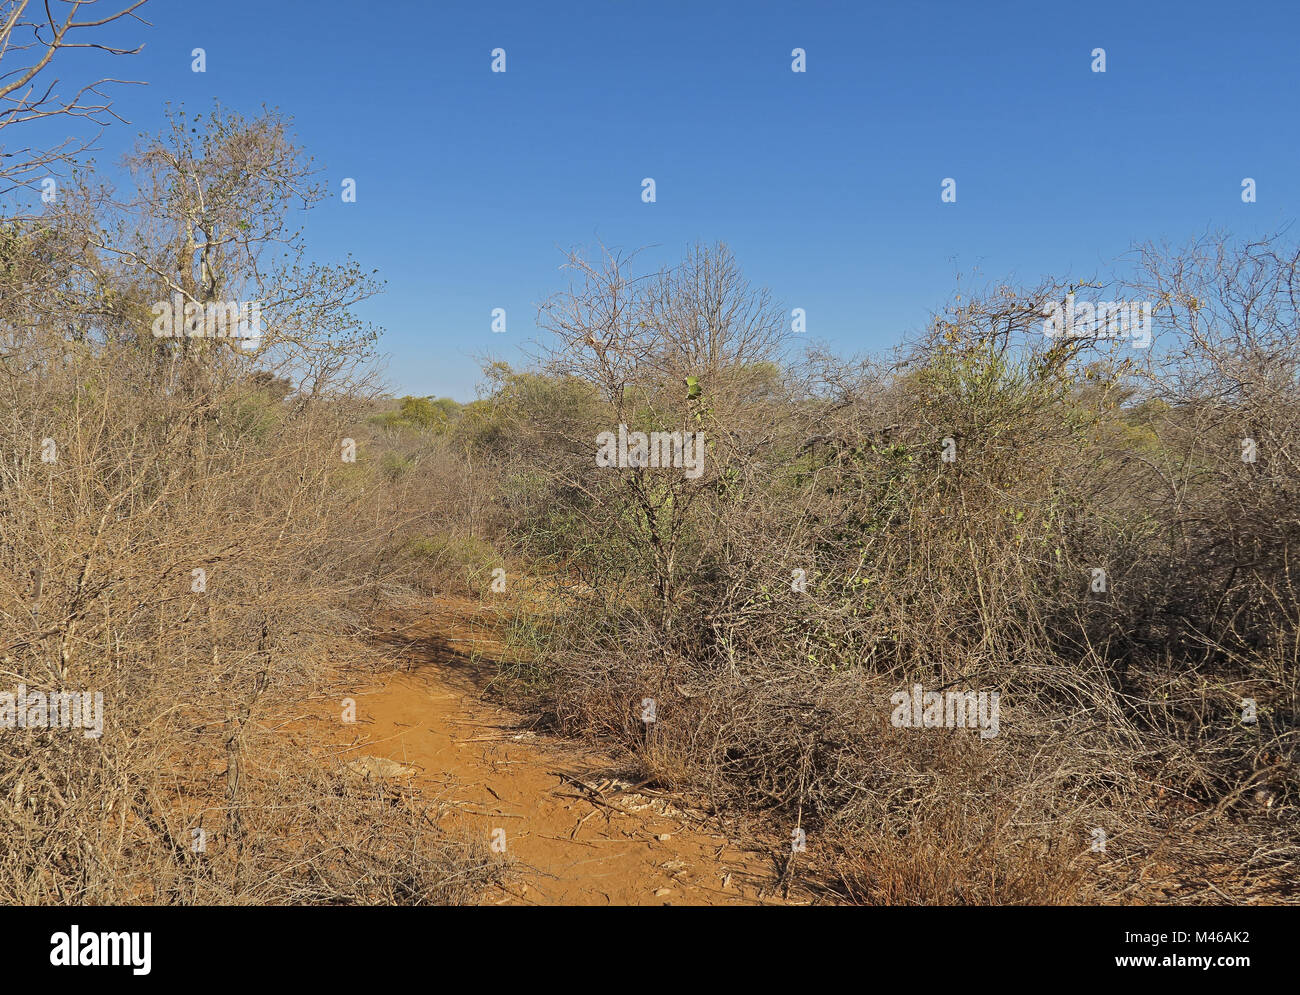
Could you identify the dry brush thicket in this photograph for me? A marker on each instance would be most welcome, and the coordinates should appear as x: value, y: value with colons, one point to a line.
x: 1121, y: 709
x: 129, y: 462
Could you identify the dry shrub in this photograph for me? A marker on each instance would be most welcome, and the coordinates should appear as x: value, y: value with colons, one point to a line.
x: 1122, y: 695
x: 190, y: 544
x: 145, y: 490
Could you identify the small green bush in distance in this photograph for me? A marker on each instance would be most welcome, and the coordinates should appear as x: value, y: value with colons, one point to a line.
x: 419, y: 414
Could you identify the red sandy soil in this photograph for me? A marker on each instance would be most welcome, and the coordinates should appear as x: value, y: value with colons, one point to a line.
x: 577, y: 832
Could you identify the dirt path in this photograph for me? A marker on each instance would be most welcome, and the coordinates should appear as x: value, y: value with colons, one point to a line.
x: 579, y: 833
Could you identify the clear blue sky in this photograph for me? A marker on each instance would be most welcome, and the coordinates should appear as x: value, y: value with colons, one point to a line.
x: 826, y: 184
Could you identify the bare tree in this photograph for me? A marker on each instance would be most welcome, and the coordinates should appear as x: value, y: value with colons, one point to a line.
x: 209, y: 219
x: 30, y: 36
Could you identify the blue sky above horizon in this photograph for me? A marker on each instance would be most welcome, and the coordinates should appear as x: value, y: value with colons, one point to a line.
x: 826, y: 184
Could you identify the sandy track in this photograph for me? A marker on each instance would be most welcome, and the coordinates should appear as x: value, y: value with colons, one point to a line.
x: 579, y: 831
